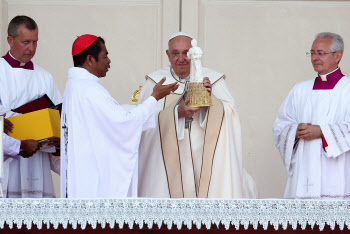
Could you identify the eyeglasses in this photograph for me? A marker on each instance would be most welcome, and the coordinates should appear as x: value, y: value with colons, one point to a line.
x: 321, y: 54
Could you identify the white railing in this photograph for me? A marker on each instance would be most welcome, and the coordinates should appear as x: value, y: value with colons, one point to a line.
x: 191, y: 213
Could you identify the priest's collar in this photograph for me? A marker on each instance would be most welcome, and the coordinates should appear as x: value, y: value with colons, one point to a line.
x: 176, y: 77
x: 328, y: 81
x: 78, y: 73
x: 16, y: 64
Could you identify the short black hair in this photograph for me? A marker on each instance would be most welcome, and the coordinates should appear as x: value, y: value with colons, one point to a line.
x: 19, y: 20
x: 94, y: 49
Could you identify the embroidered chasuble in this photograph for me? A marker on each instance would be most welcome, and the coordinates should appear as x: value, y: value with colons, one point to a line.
x: 318, y: 168
x: 200, y: 159
x: 20, y: 84
x: 100, y: 140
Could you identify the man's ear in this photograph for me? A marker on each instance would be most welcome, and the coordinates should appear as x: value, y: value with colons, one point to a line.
x: 339, y: 55
x: 90, y: 60
x: 168, y: 53
x: 10, y: 40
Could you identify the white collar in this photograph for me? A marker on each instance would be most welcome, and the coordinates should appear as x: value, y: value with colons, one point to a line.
x: 21, y: 64
x: 81, y: 73
x: 183, y: 80
x: 324, y: 77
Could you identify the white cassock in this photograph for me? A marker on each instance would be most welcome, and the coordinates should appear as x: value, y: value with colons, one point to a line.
x: 26, y: 177
x: 100, y: 140
x: 204, y: 160
x: 313, y: 172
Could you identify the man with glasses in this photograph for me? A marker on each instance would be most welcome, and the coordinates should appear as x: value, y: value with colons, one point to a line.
x: 312, y: 129
x: 193, y: 152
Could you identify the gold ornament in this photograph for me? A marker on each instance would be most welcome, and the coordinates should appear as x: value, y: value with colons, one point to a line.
x: 198, y: 95
x: 135, y: 96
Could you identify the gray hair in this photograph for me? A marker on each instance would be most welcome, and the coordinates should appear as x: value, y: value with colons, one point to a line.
x: 337, y: 44
x: 19, y: 20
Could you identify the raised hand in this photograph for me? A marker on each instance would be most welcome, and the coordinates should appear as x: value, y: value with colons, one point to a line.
x: 160, y: 90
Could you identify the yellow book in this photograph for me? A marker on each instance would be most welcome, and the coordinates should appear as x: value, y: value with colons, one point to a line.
x: 36, y: 125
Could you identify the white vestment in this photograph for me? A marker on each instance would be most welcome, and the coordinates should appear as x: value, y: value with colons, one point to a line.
x: 26, y: 177
x: 313, y: 172
x: 100, y: 140
x: 204, y: 160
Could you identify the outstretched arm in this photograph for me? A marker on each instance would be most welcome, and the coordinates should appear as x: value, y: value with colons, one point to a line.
x: 160, y: 90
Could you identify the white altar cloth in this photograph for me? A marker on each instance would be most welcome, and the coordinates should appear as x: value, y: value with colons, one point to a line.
x: 179, y: 212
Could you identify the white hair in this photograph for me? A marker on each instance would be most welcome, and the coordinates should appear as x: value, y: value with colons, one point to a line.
x: 337, y: 44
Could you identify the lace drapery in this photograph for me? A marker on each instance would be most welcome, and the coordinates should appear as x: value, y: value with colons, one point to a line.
x: 191, y: 213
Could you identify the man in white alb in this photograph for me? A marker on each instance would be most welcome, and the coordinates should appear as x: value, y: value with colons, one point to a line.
x: 99, y: 138
x: 311, y: 130
x: 193, y: 152
x: 27, y: 170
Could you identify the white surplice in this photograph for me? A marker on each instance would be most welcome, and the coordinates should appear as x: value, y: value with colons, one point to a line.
x: 228, y: 179
x: 26, y: 177
x: 313, y: 172
x: 100, y: 139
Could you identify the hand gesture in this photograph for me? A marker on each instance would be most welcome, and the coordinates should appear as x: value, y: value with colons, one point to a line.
x: 308, y: 131
x: 184, y: 111
x: 160, y: 90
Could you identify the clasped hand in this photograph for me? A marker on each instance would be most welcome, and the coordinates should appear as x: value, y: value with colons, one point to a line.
x: 29, y: 147
x: 308, y: 131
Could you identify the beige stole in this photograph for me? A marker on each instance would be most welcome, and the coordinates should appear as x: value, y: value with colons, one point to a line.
x: 170, y: 145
